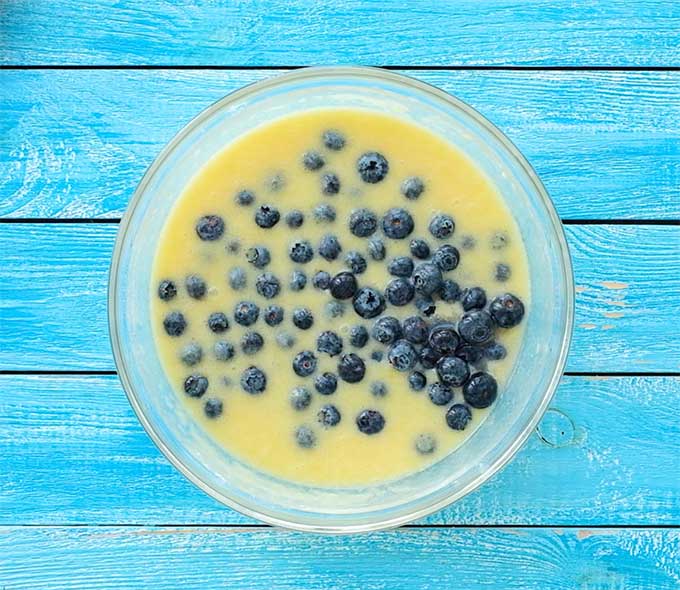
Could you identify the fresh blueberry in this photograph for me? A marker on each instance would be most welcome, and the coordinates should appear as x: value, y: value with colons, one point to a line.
x: 425, y: 304
x: 258, y: 256
x: 298, y: 280
x: 502, y: 273
x: 167, y: 290
x: 334, y: 309
x: 425, y: 444
x: 419, y: 248
x: 237, y: 278
x: 474, y: 298
x: 356, y: 262
x: 303, y: 318
x: 428, y: 357
x: 251, y: 342
x: 440, y: 393
x: 321, y: 280
x: 273, y: 315
x: 343, y: 285
x: 443, y: 339
x: 300, y: 398
x: 507, y: 310
x: 386, y: 330
x: 326, y: 383
x: 329, y: 342
x: 452, y: 371
x: 401, y: 266
x: 358, y: 336
x: 446, y: 257
x: 372, y: 167
x: 305, y: 437
x: 267, y: 216
x: 495, y: 351
x: 377, y: 356
x: 195, y: 385
x: 174, y: 323
x: 481, y: 390
x: 192, y: 354
x: 397, y: 223
x: 363, y: 223
x: 417, y: 381
x: 304, y: 363
x: 412, y: 188
x: 224, y: 351
x: 213, y: 408
x: 330, y: 184
x: 376, y: 249
x: 324, y: 213
x: 233, y: 246
x: 402, y: 355
x: 267, y: 285
x: 328, y: 416
x: 196, y: 287
x: 378, y: 389
x: 285, y: 340
x: 333, y: 140
x: 301, y: 251
x: 415, y: 329
x: 427, y: 278
x: 458, y: 416
x: 442, y: 226
x: 399, y: 291
x: 244, y: 198
x: 246, y: 313
x: 370, y: 421
x: 210, y: 228
x: 295, y: 219
x: 499, y: 240
x: 476, y: 327
x: 351, y: 368
x: 368, y: 302
x: 313, y: 160
x: 329, y: 247
x: 449, y: 291
x: 470, y: 353
x: 218, y: 322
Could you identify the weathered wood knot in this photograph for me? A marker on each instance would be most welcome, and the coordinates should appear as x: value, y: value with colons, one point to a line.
x: 556, y: 429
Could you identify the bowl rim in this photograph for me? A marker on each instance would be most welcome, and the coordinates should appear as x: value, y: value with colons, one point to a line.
x: 360, y: 72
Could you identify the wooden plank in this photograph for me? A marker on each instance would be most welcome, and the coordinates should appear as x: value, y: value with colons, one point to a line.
x: 281, y: 32
x: 73, y: 144
x: 531, y: 559
x: 604, y: 454
x: 53, y: 282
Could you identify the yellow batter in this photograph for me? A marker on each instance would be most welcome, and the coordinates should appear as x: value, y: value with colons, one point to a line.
x: 260, y: 429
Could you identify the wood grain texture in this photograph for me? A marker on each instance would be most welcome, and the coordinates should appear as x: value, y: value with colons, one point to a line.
x: 73, y: 144
x: 73, y: 452
x: 53, y: 287
x: 284, y: 32
x: 527, y: 559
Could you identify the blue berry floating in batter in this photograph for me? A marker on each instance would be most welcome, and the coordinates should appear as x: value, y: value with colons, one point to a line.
x: 370, y: 422
x: 253, y: 380
x: 372, y: 167
x: 267, y: 216
x: 210, y: 228
x: 343, y: 285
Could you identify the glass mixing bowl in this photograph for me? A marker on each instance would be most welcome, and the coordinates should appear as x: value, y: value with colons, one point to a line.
x: 522, y: 401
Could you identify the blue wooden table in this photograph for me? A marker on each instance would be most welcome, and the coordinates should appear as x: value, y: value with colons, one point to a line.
x: 90, y: 91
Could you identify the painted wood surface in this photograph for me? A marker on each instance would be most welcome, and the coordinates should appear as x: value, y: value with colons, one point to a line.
x: 281, y: 32
x: 73, y: 144
x: 53, y: 282
x: 516, y: 558
x: 605, y: 453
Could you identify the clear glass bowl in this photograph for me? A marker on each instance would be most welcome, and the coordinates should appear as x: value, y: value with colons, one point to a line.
x: 521, y: 403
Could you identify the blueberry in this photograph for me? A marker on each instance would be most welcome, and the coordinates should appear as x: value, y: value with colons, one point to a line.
x: 425, y: 444
x: 412, y: 188
x: 237, y: 278
x: 449, y: 291
x: 499, y: 240
x: 334, y: 309
x: 370, y: 421
x: 372, y: 167
x: 476, y: 327
x: 329, y: 247
x: 246, y: 313
x: 273, y: 315
x: 440, y: 394
x: 303, y: 318
x: 343, y: 285
x: 474, y: 298
x: 267, y: 285
x: 507, y: 310
x: 428, y: 357
x: 397, y: 223
x: 442, y: 226
x: 305, y: 437
x: 224, y: 351
x: 210, y: 228
x: 402, y: 355
x: 446, y: 257
x: 401, y: 266
x: 452, y: 371
x: 267, y: 216
x: 368, y: 302
x: 386, y: 330
x: 321, y: 280
x: 244, y: 198
x: 417, y: 381
x: 251, y: 342
x: 233, y: 247
x: 502, y: 273
x: 351, y: 368
x: 304, y: 363
x: 419, y: 248
x: 495, y: 351
x: 356, y: 262
x: 295, y: 219
x: 415, y: 329
x: 458, y: 416
x: 301, y: 251
x: 285, y: 340
x: 326, y: 383
x: 333, y: 140
x: 363, y: 223
x: 195, y: 385
x: 167, y: 290
x: 253, y: 380
x: 174, y: 323
x: 324, y: 213
x: 481, y: 390
x: 443, y: 339
x: 329, y: 342
x: 425, y: 304
x: 378, y: 389
x: 376, y: 249
x: 470, y: 353
x: 313, y: 160
x: 258, y: 256
x: 330, y: 184
x: 377, y: 356
x: 399, y: 291
x: 300, y: 398
x: 298, y: 280
x: 213, y: 408
x: 218, y: 322
x: 358, y: 336
x: 196, y: 287
x: 192, y: 354
x: 427, y: 278
x: 328, y: 416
